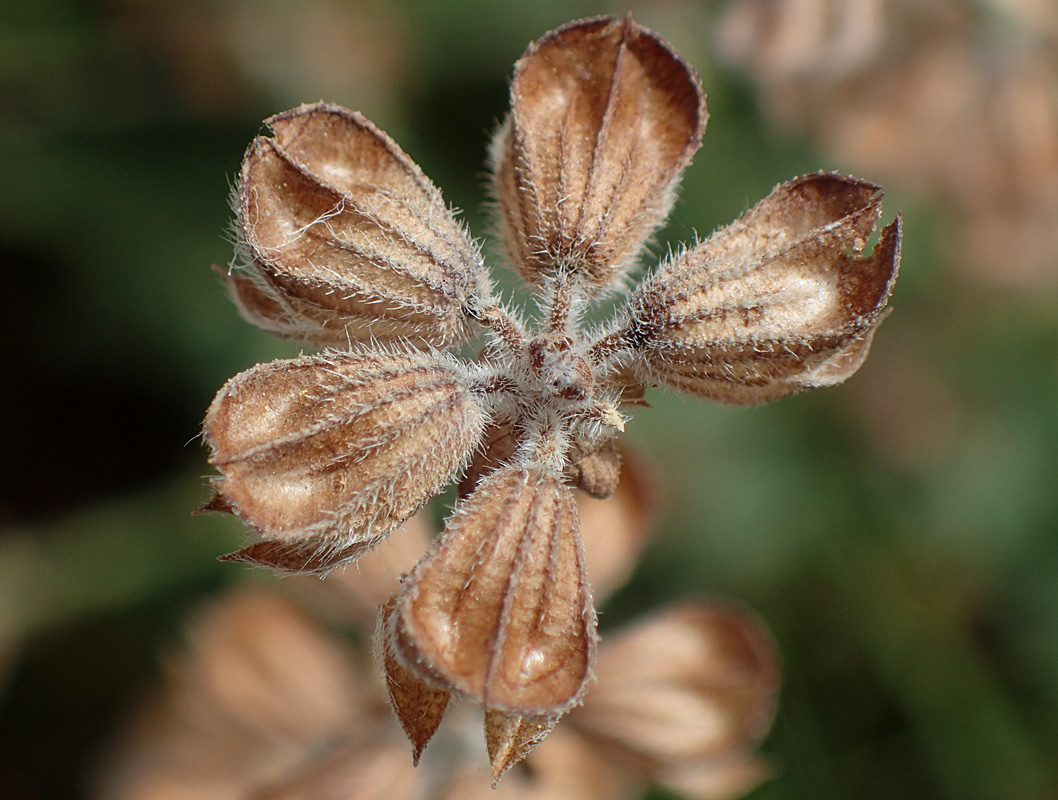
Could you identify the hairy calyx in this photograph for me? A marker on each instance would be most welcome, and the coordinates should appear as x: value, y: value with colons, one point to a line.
x: 345, y: 243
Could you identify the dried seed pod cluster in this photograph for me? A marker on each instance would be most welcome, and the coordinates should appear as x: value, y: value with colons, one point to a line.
x: 345, y: 242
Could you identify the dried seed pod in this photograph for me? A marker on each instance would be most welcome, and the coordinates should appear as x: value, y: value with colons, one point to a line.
x: 814, y: 42
x: 260, y: 686
x: 325, y: 455
x: 262, y: 666
x: 419, y: 706
x: 346, y: 239
x: 693, y: 685
x: 781, y: 300
x: 500, y: 610
x: 604, y: 118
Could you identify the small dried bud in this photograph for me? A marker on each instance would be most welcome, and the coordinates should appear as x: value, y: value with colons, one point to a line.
x: 779, y: 301
x: 604, y: 118
x: 499, y: 610
x: 598, y: 472
x: 325, y: 455
x: 346, y: 239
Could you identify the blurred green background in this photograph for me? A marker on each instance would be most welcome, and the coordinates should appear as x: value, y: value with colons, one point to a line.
x: 899, y: 533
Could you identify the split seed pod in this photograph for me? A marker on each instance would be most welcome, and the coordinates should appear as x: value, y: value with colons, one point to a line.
x: 346, y: 240
x: 781, y: 300
x: 604, y: 118
x: 499, y: 610
x: 323, y: 456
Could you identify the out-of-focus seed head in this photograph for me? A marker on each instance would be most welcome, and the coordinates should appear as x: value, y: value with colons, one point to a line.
x: 604, y: 118
x: 782, y: 300
x: 345, y: 239
x: 895, y: 88
x: 323, y: 456
x: 499, y: 610
x: 687, y: 693
x: 262, y: 678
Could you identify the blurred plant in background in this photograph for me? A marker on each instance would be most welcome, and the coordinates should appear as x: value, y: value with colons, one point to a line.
x: 950, y: 98
x: 898, y: 533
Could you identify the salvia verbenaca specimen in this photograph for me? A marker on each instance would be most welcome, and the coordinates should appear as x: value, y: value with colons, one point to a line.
x: 344, y: 243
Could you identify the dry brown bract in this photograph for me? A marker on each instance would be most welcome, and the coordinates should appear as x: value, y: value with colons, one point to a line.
x: 345, y: 243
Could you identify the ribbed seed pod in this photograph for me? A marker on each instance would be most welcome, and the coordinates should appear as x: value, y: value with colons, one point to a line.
x: 325, y: 455
x: 346, y: 239
x: 499, y: 610
x: 498, y: 444
x: 604, y: 118
x: 781, y: 300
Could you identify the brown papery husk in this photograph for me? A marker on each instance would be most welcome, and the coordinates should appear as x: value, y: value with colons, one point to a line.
x: 780, y: 301
x: 499, y: 611
x: 345, y: 239
x: 325, y: 455
x: 604, y: 118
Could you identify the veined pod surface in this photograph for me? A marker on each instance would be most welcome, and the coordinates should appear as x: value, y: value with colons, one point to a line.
x: 604, y: 118
x: 499, y: 610
x: 325, y: 455
x: 784, y: 299
x: 346, y: 239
